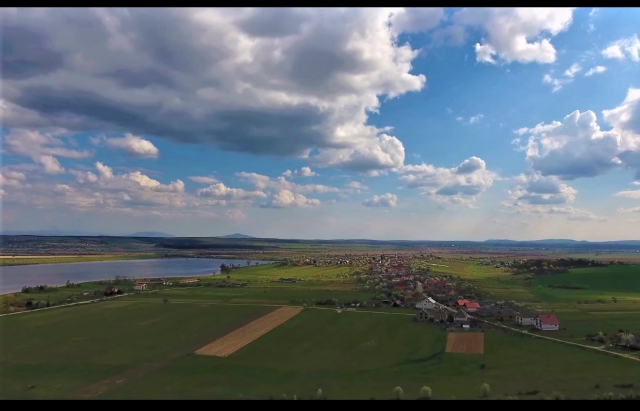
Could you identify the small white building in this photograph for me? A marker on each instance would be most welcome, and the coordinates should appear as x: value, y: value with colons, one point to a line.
x: 526, y: 319
x: 140, y: 287
x: 547, y: 323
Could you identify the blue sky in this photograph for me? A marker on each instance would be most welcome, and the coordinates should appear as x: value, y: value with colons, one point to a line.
x: 393, y: 123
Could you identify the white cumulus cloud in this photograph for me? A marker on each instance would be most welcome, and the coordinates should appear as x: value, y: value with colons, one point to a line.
x: 134, y: 146
x: 385, y: 200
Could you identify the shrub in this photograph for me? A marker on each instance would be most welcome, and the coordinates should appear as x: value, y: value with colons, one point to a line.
x: 397, y: 393
x: 485, y: 390
x: 425, y: 393
x: 165, y: 300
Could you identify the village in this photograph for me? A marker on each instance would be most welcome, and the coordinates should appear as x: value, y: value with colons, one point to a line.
x: 405, y: 281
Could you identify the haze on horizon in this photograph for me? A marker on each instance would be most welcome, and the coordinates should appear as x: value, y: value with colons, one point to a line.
x: 375, y: 123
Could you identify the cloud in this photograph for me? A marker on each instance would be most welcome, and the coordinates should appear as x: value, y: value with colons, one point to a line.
x: 629, y: 210
x: 573, y: 70
x: 370, y: 156
x: 262, y: 182
x: 303, y: 172
x: 534, y: 189
x: 280, y: 82
x: 556, y: 83
x: 204, y: 179
x: 577, y: 147
x: 450, y: 186
x: 595, y: 70
x: 629, y: 194
x: 623, y: 48
x: 416, y: 19
x: 134, y: 146
x: 132, y: 192
x: 11, y: 178
x: 520, y: 35
x: 356, y: 186
x: 287, y: 199
x: 221, y: 192
x: 475, y: 119
x: 50, y: 164
x: 386, y: 200
x: 41, y: 147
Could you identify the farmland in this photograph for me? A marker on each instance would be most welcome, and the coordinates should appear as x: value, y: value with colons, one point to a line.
x: 80, y: 353
x: 145, y: 345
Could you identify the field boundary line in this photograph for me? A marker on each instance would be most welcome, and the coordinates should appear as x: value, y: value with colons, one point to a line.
x: 64, y: 305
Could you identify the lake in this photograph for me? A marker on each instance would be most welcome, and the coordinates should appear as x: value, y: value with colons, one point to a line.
x: 13, y: 278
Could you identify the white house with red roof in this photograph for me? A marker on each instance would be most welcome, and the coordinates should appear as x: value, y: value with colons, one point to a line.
x: 140, y: 286
x: 547, y: 323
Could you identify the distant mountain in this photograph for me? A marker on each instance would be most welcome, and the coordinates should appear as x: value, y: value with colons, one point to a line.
x: 236, y: 235
x: 150, y: 234
x: 52, y: 233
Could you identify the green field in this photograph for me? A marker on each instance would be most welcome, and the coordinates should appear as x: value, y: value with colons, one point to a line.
x: 81, y: 351
x: 140, y: 347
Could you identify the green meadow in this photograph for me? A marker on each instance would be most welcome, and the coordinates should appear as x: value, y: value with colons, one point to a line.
x: 141, y: 346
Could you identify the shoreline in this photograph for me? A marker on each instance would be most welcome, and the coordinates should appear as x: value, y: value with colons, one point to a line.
x: 5, y: 260
x: 263, y: 262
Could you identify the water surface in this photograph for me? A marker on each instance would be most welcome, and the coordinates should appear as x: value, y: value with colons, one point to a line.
x: 13, y: 278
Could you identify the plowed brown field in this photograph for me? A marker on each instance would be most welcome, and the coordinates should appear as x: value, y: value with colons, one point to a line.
x: 465, y: 343
x: 237, y: 339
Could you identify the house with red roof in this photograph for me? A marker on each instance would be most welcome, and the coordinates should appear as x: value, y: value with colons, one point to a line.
x: 471, y: 306
x: 461, y: 303
x: 547, y: 322
x: 404, y: 285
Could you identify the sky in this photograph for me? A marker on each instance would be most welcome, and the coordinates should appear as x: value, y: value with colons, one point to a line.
x: 376, y: 123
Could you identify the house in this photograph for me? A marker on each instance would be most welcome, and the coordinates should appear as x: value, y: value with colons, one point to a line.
x: 471, y: 306
x: 461, y: 317
x: 426, y: 305
x: 140, y: 287
x: 508, y: 314
x: 461, y: 303
x: 423, y: 315
x: 547, y: 322
x: 526, y: 318
x: 110, y: 290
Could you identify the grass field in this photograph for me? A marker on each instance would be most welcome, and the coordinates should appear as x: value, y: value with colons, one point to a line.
x: 139, y: 347
x: 610, y: 302
x: 128, y: 349
x: 30, y: 260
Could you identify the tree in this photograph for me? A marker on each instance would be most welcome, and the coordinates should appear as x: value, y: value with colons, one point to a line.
x: 319, y: 394
x: 397, y: 393
x: 485, y: 390
x: 165, y: 300
x: 627, y: 339
x: 425, y: 393
x: 248, y: 262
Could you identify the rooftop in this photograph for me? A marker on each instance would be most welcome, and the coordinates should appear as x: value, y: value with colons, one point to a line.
x: 549, y: 319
